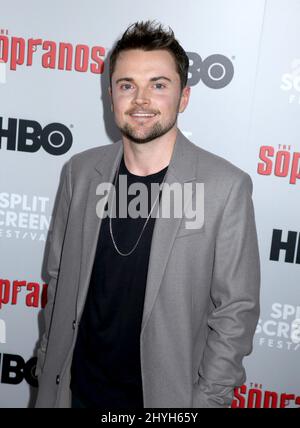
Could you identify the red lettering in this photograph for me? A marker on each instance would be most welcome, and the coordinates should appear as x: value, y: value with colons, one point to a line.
x: 295, y: 173
x: 68, y: 48
x: 265, y: 169
x: 286, y: 398
x: 16, y: 290
x: 3, y: 48
x: 254, y: 398
x: 32, y: 299
x: 4, y: 291
x: 9, y: 291
x: 97, y: 52
x: 44, y: 295
x: 258, y: 398
x: 58, y: 56
x: 270, y: 396
x: 81, y: 58
x: 17, y: 52
x: 48, y: 58
x: 239, y: 401
x: 32, y: 43
x: 282, y: 163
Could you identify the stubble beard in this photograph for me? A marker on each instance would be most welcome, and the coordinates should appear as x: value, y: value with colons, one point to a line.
x: 156, y: 131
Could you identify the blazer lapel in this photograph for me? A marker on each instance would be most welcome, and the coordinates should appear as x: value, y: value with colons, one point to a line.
x: 182, y: 168
x: 103, y: 172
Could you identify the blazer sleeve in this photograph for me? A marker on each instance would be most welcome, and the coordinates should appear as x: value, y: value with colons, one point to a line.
x: 235, y: 292
x: 56, y: 240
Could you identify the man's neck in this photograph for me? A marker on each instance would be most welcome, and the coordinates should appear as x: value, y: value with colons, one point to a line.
x: 149, y: 158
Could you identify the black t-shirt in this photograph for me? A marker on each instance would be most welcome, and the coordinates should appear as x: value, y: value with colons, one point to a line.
x: 106, y: 369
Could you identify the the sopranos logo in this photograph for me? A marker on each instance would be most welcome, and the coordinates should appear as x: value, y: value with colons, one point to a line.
x: 255, y: 396
x: 24, y: 216
x: 22, y: 292
x: 50, y: 54
x: 281, y: 330
x: 29, y: 136
x: 281, y: 162
x: 14, y: 369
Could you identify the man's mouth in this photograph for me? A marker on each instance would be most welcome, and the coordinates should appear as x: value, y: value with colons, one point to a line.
x: 142, y: 115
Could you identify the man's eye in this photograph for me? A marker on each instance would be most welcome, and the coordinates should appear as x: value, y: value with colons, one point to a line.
x: 159, y: 85
x: 126, y: 86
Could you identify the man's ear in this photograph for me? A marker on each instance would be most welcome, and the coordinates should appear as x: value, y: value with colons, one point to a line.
x: 184, y: 100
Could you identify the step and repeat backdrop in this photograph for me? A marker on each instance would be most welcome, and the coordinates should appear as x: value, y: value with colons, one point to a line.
x: 244, y: 106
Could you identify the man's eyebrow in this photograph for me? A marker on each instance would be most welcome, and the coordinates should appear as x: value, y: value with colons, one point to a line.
x: 127, y: 79
x: 153, y: 79
x: 159, y: 78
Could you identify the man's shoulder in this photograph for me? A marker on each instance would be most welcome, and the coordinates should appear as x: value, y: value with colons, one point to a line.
x: 215, y: 167
x: 90, y: 157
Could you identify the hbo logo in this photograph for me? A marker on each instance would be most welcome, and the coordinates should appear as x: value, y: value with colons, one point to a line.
x: 14, y: 370
x: 216, y: 71
x: 28, y: 136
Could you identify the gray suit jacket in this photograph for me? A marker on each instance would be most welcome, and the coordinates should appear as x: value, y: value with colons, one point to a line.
x: 202, y: 294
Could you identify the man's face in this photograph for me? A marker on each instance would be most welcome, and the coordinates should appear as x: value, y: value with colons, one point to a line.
x: 146, y: 95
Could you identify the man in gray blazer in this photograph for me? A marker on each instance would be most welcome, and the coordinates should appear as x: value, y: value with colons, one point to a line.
x: 149, y: 311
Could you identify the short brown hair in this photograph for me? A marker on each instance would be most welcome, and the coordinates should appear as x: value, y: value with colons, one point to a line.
x: 150, y: 36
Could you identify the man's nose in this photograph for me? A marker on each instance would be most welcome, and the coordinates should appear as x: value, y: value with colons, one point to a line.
x: 141, y: 97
